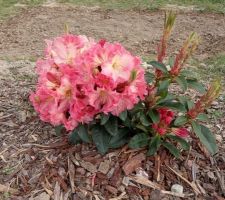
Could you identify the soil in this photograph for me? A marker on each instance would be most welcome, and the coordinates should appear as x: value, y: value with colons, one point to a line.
x: 22, y: 36
x: 38, y: 164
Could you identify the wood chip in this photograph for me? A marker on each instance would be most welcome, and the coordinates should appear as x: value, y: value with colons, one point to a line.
x: 71, y: 171
x: 111, y: 189
x: 133, y: 163
x: 89, y: 166
x: 104, y: 166
x: 119, y: 197
x: 4, y: 188
x: 57, y: 191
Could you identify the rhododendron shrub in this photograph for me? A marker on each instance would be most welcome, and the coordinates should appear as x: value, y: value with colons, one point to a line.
x: 101, y: 93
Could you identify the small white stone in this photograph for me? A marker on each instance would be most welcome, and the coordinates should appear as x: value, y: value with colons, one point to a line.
x: 126, y: 181
x: 219, y: 138
x: 176, y: 188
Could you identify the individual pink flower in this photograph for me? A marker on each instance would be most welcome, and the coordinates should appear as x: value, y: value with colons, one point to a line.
x: 64, y: 49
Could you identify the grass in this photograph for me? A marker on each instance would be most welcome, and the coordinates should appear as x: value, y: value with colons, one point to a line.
x: 213, y: 67
x: 7, y: 7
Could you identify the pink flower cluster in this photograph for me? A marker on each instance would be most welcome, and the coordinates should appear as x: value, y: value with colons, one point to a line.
x: 80, y: 78
x: 162, y: 127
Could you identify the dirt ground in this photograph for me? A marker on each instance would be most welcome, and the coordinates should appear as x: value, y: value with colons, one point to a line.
x: 23, y: 36
x: 35, y: 164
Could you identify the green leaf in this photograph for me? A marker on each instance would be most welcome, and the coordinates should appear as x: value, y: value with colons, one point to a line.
x: 163, y: 86
x: 205, y: 136
x: 58, y: 130
x: 104, y: 119
x: 168, y: 98
x: 186, y: 101
x: 184, y: 144
x: 120, y: 139
x: 154, y: 145
x: 172, y: 149
x: 141, y: 127
x: 171, y: 61
x: 149, y: 77
x: 144, y: 119
x: 190, y: 104
x: 202, y: 117
x: 138, y: 141
x: 123, y: 115
x: 83, y: 133
x: 159, y: 66
x: 182, y: 82
x: 181, y: 120
x: 101, y: 138
x: 194, y: 84
x: 127, y: 122
x: 173, y: 105
x: 74, y: 138
x: 112, y: 126
x: 154, y: 115
x: 138, y: 107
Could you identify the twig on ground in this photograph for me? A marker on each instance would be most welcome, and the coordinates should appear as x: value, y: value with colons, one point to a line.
x: 193, y: 185
x: 145, y: 181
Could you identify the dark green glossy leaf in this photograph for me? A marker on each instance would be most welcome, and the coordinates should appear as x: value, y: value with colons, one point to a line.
x: 127, y: 122
x: 154, y: 145
x: 120, y: 139
x: 163, y: 86
x: 154, y: 115
x: 186, y: 102
x: 144, y: 119
x: 104, y: 119
x: 74, y: 138
x: 206, y: 137
x: 194, y: 84
x: 58, y: 130
x: 137, y: 108
x: 182, y: 82
x: 149, y: 77
x: 101, y: 138
x: 184, y: 144
x: 112, y: 125
x: 172, y: 149
x: 83, y: 133
x: 123, y: 115
x: 141, y: 127
x: 138, y: 141
x: 173, y: 105
x: 168, y: 98
x: 181, y: 120
x: 159, y: 66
